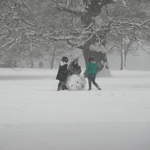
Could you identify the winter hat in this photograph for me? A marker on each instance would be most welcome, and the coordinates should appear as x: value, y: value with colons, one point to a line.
x: 91, y: 59
x: 65, y: 59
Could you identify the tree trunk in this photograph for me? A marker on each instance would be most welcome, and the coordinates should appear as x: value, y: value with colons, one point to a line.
x: 123, y: 59
x: 53, y: 57
x: 31, y: 56
x: 123, y: 55
x: 31, y: 64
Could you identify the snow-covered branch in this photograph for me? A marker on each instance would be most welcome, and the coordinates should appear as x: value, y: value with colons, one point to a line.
x: 74, y: 11
x: 8, y: 44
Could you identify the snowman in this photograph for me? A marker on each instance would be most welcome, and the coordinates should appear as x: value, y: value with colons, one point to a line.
x: 75, y: 80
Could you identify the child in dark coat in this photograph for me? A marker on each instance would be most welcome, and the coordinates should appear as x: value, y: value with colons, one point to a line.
x: 91, y: 71
x: 74, y: 67
x: 62, y: 74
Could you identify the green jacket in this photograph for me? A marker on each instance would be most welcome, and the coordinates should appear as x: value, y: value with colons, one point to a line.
x: 91, y: 68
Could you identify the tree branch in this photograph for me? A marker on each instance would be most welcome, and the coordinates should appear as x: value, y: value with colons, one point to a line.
x: 8, y: 44
x: 70, y: 10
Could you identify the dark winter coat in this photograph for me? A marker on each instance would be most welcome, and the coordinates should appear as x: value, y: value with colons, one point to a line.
x: 62, y: 73
x: 74, y: 68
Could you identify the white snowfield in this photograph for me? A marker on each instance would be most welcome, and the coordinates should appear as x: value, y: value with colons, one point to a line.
x: 34, y: 116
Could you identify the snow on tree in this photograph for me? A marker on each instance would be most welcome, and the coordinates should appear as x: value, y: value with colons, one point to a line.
x: 83, y: 24
x: 130, y: 24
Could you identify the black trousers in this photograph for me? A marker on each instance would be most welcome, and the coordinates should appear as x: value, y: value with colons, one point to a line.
x: 61, y: 85
x: 91, y: 79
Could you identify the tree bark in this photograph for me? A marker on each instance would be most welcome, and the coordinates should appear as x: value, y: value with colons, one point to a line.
x: 53, y: 57
x: 31, y: 55
x: 123, y: 56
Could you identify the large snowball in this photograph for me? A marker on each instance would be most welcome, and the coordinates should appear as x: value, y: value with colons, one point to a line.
x: 76, y: 82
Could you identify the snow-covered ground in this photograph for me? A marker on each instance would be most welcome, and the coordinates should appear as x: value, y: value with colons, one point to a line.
x: 34, y: 116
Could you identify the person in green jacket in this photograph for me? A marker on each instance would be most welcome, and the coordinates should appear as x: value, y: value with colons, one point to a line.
x: 91, y: 70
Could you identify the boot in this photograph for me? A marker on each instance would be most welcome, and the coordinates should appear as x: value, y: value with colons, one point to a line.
x: 99, y: 88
